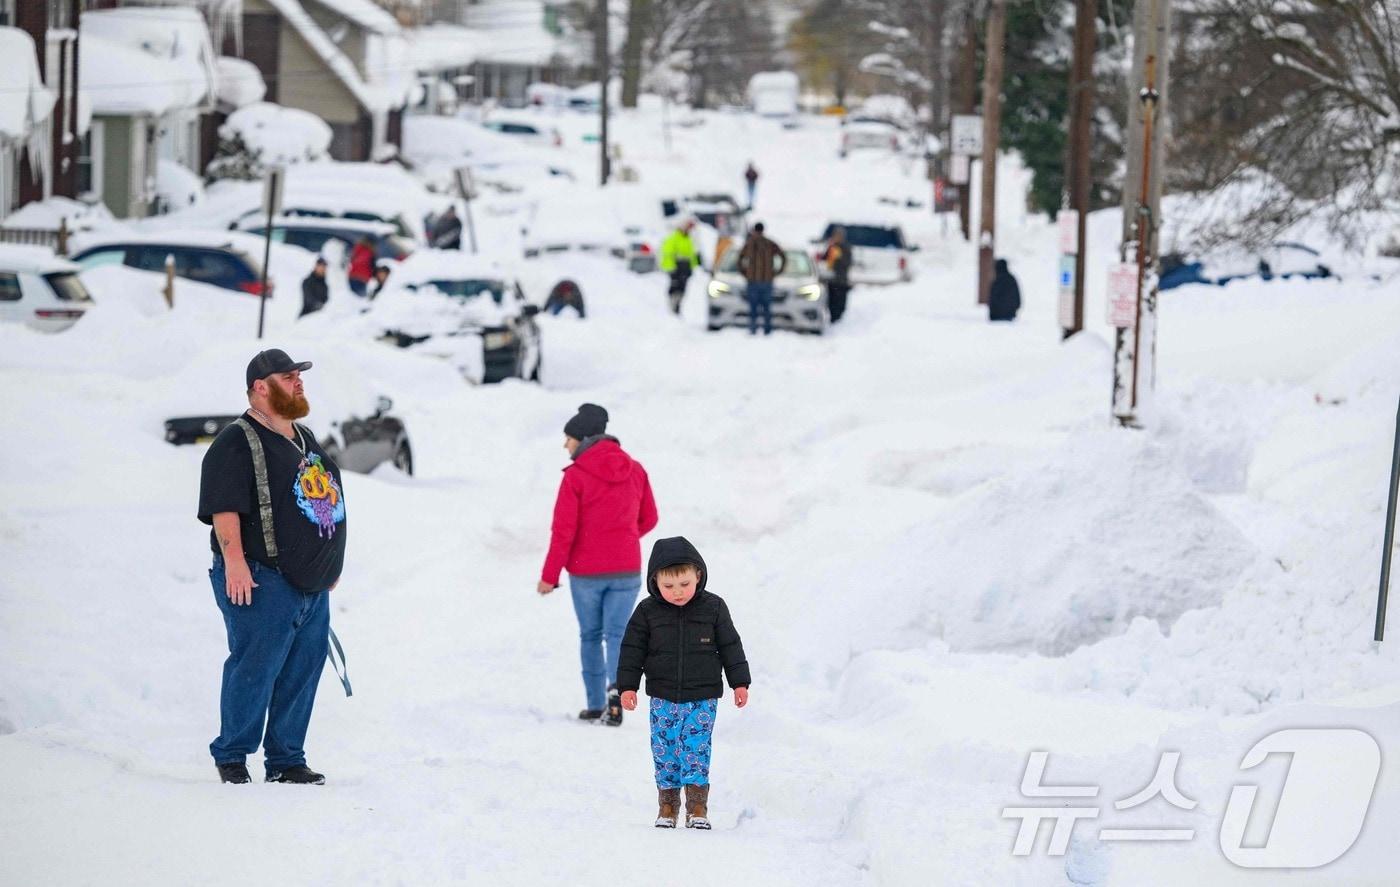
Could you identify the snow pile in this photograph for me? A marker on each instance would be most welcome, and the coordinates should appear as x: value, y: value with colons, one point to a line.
x: 48, y: 214
x: 25, y: 101
x: 240, y: 82
x: 280, y: 135
x: 146, y: 60
x: 1105, y: 529
x: 176, y: 185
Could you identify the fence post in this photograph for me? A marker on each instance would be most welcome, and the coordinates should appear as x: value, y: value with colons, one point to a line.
x: 62, y: 237
x: 169, y: 289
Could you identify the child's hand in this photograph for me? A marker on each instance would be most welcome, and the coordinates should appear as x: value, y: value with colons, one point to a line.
x: 629, y: 700
x: 741, y: 697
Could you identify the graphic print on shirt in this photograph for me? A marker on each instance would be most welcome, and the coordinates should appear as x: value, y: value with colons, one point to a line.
x: 318, y: 496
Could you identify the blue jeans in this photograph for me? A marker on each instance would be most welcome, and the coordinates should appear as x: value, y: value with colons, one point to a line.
x: 603, y: 607
x: 276, y: 650
x: 681, y: 740
x: 760, y: 296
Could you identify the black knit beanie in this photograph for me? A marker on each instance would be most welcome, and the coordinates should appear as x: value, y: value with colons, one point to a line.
x: 590, y: 421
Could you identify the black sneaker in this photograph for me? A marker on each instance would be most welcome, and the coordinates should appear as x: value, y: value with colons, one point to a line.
x: 612, y: 716
x: 298, y: 775
x: 590, y: 714
x: 236, y: 774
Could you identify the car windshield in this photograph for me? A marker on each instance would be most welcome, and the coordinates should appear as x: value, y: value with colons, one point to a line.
x: 470, y: 289
x: 869, y: 235
x: 68, y: 287
x: 798, y: 265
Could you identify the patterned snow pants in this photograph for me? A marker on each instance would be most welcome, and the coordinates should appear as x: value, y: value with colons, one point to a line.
x: 680, y: 741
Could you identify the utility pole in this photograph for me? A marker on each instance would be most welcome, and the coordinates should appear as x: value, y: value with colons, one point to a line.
x: 991, y: 131
x: 1078, y: 176
x: 600, y: 50
x: 965, y: 102
x: 1135, y: 346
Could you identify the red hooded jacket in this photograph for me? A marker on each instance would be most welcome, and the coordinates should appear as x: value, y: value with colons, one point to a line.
x: 604, y: 509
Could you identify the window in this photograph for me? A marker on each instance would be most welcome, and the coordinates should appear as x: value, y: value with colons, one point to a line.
x: 9, y: 288
x: 59, y: 14
x: 870, y: 235
x: 470, y: 289
x: 7, y: 13
x: 68, y: 287
x: 208, y: 267
x: 90, y: 161
x: 102, y: 257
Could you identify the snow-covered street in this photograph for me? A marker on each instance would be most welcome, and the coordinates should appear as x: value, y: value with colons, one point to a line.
x: 939, y: 553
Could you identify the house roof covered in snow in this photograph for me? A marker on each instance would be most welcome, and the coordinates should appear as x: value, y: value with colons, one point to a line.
x: 365, y: 13
x: 387, y: 86
x: 513, y: 32
x: 138, y: 60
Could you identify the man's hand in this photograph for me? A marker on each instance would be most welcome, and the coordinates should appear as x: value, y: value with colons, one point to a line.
x: 741, y: 697
x: 545, y: 587
x: 629, y: 700
x: 238, y: 584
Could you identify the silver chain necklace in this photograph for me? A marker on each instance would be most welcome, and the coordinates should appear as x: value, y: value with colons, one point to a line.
x: 300, y: 443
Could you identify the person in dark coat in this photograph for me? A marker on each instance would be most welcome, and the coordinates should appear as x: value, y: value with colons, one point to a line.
x: 447, y: 230
x: 751, y: 179
x: 682, y: 638
x: 566, y: 294
x: 381, y: 277
x: 1004, y: 300
x: 837, y: 258
x: 760, y: 261
x: 314, y: 292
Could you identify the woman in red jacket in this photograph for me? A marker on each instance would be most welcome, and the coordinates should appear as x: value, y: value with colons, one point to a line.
x: 361, y: 266
x: 604, y: 509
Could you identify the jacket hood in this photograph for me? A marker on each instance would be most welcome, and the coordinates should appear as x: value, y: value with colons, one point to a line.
x: 603, y: 457
x: 672, y: 552
x: 1002, y: 267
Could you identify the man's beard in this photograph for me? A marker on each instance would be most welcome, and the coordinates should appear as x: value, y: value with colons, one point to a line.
x: 288, y: 406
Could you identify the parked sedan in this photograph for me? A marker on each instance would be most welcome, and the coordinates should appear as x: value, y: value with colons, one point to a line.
x: 1279, y: 261
x: 799, y: 299
x: 218, y: 261
x: 355, y: 444
x: 39, y: 289
x: 313, y: 233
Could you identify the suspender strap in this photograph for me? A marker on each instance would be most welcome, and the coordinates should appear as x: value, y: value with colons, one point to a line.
x: 260, y: 476
x: 340, y: 670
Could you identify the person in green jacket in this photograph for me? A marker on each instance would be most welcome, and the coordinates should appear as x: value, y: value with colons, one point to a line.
x: 678, y: 257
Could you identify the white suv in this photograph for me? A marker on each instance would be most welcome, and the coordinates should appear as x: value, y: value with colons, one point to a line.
x: 39, y: 289
x: 879, y: 252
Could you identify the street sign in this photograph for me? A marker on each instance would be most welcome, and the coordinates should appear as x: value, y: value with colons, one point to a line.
x: 1123, y: 295
x: 960, y: 171
x: 273, y: 186
x: 1066, y: 304
x: 967, y: 134
x: 1068, y: 221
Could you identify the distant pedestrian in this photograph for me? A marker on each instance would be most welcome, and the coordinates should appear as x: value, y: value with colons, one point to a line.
x: 1004, y: 300
x: 837, y: 258
x: 682, y: 638
x: 361, y: 265
x: 274, y: 499
x: 603, y: 510
x: 760, y: 260
x: 314, y: 293
x: 678, y: 258
x: 751, y: 177
x: 381, y: 277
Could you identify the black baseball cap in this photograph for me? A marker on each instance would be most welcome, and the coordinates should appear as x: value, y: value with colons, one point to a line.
x: 271, y: 362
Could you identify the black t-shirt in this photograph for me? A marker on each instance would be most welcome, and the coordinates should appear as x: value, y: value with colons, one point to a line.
x: 308, y: 502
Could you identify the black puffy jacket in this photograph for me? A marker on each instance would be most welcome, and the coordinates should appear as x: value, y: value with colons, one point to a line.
x: 681, y: 650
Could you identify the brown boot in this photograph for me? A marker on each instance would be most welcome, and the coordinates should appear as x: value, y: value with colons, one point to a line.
x: 670, y: 802
x: 697, y: 804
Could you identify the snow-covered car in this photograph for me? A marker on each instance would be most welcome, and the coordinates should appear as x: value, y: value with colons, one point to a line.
x: 879, y: 252
x: 1279, y: 261
x: 465, y: 309
x: 356, y: 444
x: 230, y: 260
x: 799, y: 298
x: 618, y: 222
x: 530, y: 133
x: 313, y: 233
x: 867, y: 134
x: 39, y: 289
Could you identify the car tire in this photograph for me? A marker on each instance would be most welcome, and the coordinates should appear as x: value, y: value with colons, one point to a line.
x: 403, y: 458
x: 713, y: 328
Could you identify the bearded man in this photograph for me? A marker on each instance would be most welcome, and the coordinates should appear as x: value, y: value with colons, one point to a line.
x: 275, y: 502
